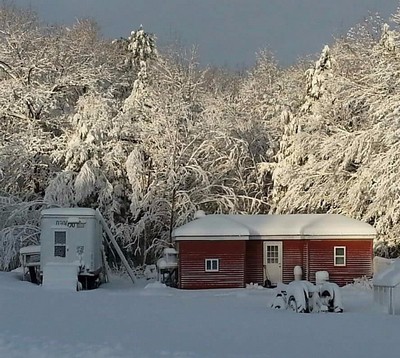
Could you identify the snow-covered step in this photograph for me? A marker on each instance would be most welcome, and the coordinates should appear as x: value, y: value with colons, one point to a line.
x: 60, y: 276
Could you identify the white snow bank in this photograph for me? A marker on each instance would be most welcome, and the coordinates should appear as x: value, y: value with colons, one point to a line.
x: 155, y: 285
x: 21, y: 347
x: 254, y: 286
x: 118, y: 320
x: 61, y: 276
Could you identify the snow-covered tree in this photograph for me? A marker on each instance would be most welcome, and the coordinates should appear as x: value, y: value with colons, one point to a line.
x: 190, y: 154
x: 342, y: 147
x: 150, y: 138
x: 142, y: 51
x: 18, y: 228
x: 44, y: 72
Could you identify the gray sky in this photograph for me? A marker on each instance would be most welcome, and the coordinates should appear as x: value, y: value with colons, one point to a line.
x: 227, y: 32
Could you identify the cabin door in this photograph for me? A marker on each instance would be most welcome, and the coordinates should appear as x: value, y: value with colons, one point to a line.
x: 273, y: 261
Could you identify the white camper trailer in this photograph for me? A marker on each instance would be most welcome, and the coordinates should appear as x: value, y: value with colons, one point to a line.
x: 72, y: 236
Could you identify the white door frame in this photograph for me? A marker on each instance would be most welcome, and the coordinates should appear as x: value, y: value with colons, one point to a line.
x: 273, y: 265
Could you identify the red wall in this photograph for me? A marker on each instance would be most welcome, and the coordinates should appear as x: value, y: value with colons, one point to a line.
x: 359, y: 254
x: 241, y: 262
x: 192, y: 255
x: 294, y: 252
x: 254, y: 262
x: 318, y: 255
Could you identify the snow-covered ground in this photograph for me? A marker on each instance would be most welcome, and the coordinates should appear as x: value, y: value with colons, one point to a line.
x: 149, y: 320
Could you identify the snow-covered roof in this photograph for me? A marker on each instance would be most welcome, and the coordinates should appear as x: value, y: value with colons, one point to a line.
x: 170, y: 251
x: 291, y: 225
x: 33, y: 249
x: 389, y: 277
x: 218, y: 226
x: 68, y: 212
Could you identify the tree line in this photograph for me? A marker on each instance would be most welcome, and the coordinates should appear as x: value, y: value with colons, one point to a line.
x: 149, y: 137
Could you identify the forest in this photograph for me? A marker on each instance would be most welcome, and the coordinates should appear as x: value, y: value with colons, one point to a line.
x: 149, y: 136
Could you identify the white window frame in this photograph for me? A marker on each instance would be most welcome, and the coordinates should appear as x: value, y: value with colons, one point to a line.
x: 60, y: 244
x: 212, y: 262
x: 336, y: 256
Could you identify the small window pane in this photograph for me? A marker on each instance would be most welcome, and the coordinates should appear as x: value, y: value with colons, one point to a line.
x: 340, y: 251
x: 214, y: 264
x: 59, y: 251
x: 60, y: 237
x: 339, y: 260
x: 208, y: 263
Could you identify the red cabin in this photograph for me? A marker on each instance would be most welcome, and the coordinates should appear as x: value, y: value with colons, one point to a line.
x: 229, y: 251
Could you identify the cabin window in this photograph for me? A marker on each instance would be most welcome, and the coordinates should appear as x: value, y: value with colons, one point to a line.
x: 60, y: 243
x: 212, y: 265
x: 340, y: 255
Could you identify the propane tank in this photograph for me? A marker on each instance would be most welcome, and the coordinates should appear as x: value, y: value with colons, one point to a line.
x: 321, y: 277
x: 298, y: 273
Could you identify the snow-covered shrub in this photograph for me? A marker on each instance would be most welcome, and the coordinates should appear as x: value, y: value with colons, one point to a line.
x: 19, y: 227
x: 363, y: 282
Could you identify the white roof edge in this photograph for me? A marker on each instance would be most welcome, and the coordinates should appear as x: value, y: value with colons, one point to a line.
x: 314, y: 237
x: 338, y: 237
x: 211, y: 238
x: 68, y: 212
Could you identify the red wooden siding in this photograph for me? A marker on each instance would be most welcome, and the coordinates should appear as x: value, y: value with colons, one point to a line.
x: 306, y: 260
x: 358, y: 259
x: 313, y: 256
x: 241, y: 262
x: 192, y: 255
x: 254, y: 262
x: 292, y: 256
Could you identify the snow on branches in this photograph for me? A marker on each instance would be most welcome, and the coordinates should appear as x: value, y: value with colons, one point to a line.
x: 150, y: 138
x: 18, y: 228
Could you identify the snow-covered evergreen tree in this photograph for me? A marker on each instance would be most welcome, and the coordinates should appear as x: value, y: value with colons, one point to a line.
x: 150, y: 138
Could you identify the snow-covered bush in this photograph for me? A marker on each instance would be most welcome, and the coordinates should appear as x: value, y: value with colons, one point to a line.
x: 19, y: 227
x: 363, y: 282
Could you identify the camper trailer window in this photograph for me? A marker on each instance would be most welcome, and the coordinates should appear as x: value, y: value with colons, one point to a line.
x: 60, y: 241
